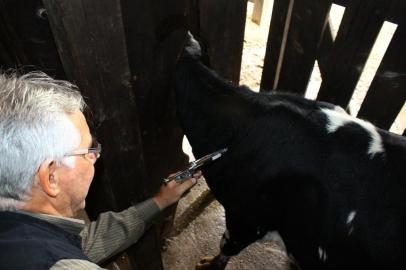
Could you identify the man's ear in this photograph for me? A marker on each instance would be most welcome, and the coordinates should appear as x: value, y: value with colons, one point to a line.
x: 48, y: 179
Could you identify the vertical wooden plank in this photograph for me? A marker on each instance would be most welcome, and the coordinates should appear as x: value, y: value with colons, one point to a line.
x: 193, y: 16
x: 309, y: 19
x: 155, y: 33
x: 276, y: 43
x: 26, y: 39
x: 387, y: 93
x: 257, y: 12
x: 324, y: 49
x: 222, y: 24
x: 343, y: 3
x: 295, y: 61
x: 7, y: 59
x: 396, y: 13
x: 359, y: 28
x: 91, y: 42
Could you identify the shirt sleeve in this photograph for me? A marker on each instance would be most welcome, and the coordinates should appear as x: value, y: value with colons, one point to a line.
x: 69, y: 264
x: 113, y: 232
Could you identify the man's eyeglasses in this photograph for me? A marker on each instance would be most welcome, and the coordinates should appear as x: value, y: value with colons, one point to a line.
x: 92, y: 153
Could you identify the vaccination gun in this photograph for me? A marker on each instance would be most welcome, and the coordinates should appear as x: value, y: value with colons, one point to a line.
x: 193, y: 166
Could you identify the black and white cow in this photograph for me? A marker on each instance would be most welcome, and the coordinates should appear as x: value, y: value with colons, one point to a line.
x: 332, y: 185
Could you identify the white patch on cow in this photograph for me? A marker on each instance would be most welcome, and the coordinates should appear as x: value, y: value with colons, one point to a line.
x: 351, y: 217
x: 339, y: 109
x: 271, y: 236
x: 349, y: 221
x: 227, y: 234
x: 322, y: 254
x: 274, y: 237
x: 224, y: 239
x: 350, y: 230
x: 337, y: 119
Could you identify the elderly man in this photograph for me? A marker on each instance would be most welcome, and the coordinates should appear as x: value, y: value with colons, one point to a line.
x: 47, y: 157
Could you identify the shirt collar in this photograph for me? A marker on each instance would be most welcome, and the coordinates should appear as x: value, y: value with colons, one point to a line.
x: 71, y: 225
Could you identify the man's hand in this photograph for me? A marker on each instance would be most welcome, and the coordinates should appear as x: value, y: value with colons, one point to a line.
x: 172, y: 191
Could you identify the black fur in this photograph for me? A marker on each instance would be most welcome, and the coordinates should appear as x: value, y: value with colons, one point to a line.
x: 285, y: 172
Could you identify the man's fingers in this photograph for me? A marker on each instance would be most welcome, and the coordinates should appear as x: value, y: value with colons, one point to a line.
x: 193, y: 180
x: 197, y: 174
x: 190, y: 182
x: 186, y: 186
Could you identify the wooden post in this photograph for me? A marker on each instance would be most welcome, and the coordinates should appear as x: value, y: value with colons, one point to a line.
x: 257, y: 13
x: 26, y: 41
x: 121, y: 54
x: 386, y: 95
x: 359, y: 28
x: 155, y: 34
x: 222, y: 24
x: 276, y: 44
x: 91, y: 44
x: 295, y: 33
x: 262, y: 12
x: 324, y: 49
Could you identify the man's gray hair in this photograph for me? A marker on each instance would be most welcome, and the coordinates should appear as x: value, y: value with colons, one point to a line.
x: 34, y: 127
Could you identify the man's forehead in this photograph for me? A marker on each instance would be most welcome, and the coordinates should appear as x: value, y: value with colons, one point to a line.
x: 79, y: 121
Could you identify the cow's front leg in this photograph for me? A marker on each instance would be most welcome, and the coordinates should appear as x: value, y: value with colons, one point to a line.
x: 216, y: 262
x: 237, y: 236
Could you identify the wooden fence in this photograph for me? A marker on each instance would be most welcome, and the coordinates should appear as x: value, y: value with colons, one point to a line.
x: 300, y: 34
x: 121, y: 53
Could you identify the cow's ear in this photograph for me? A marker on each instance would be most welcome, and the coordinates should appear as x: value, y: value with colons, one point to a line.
x: 195, y: 47
x: 192, y: 47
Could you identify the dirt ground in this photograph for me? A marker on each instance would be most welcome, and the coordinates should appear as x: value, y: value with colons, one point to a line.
x: 201, y: 237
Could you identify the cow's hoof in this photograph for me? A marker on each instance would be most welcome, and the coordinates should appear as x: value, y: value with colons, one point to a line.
x: 205, y: 263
